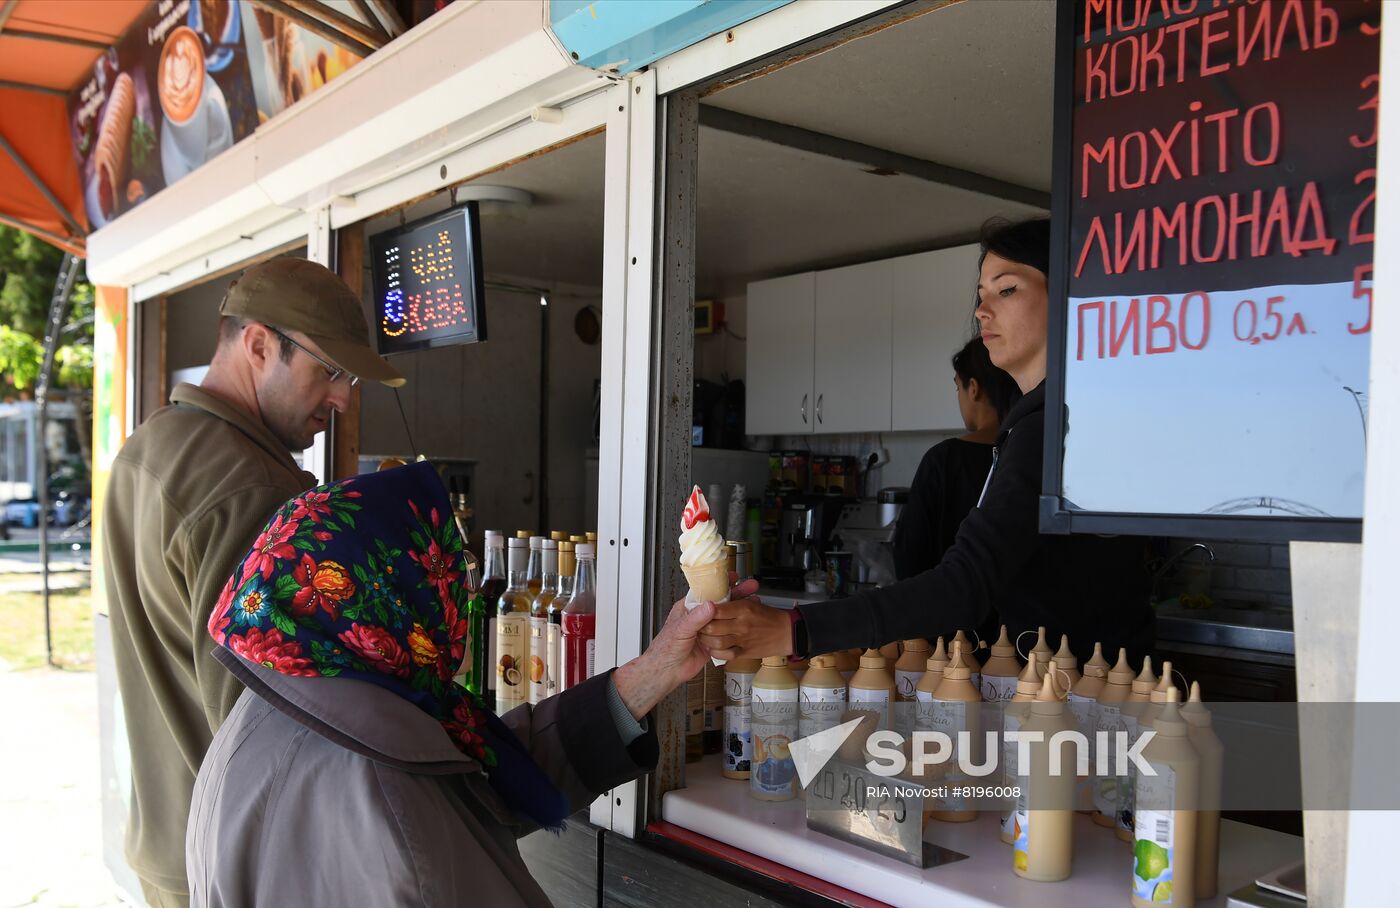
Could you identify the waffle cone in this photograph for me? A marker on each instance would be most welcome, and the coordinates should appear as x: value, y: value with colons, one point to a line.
x: 707, y: 581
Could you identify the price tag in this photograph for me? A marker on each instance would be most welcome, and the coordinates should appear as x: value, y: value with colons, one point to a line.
x: 885, y: 815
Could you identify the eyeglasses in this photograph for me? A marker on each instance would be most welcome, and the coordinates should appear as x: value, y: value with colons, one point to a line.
x: 333, y: 372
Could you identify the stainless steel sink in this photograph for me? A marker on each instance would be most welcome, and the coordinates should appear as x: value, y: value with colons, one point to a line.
x: 1239, y: 625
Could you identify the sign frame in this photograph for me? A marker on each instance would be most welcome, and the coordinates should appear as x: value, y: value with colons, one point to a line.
x: 1057, y: 515
x: 467, y: 214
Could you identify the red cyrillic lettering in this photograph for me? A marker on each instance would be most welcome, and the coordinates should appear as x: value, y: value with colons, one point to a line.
x: 1324, y: 21
x: 1237, y: 219
x: 1096, y: 6
x: 1116, y: 88
x: 1207, y: 39
x: 1167, y: 228
x: 1096, y: 232
x: 1295, y: 9
x: 1137, y: 242
x: 1164, y: 322
x: 1118, y: 334
x: 1205, y: 319
x: 1153, y: 55
x: 1080, y: 313
x: 1263, y: 28
x: 1223, y: 137
x: 1099, y: 156
x: 1310, y: 217
x: 1165, y: 158
x: 1094, y: 73
x: 1141, y: 179
x: 1198, y: 227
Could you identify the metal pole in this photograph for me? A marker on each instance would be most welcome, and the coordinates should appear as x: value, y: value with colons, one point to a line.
x: 58, y: 314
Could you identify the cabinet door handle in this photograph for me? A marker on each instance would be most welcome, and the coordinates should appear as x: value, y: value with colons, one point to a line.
x: 819, y: 407
x: 804, y: 408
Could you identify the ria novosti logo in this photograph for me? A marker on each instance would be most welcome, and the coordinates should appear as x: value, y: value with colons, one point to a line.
x: 891, y: 753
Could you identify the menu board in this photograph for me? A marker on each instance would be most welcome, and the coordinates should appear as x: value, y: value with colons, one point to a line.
x: 428, y: 285
x: 187, y: 81
x: 1216, y: 182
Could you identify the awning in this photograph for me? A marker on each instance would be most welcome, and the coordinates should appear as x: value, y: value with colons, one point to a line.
x: 46, y: 48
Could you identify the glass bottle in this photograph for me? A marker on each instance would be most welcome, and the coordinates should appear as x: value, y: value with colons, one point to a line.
x: 534, y: 569
x: 493, y: 584
x: 579, y: 620
x: 512, y: 630
x: 554, y: 667
x: 540, y: 682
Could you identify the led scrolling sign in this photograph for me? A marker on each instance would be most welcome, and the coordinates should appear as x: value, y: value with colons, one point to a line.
x: 428, y: 283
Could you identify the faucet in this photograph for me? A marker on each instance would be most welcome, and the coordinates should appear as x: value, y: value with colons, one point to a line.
x: 1171, y: 562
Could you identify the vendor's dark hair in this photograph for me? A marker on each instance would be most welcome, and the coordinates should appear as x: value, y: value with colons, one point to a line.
x: 1023, y: 242
x: 972, y: 361
x: 230, y: 326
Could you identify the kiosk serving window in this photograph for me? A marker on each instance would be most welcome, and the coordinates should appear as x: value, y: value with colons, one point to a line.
x: 1215, y: 180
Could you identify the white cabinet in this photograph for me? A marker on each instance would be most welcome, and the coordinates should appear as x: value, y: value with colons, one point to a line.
x: 860, y: 349
x: 779, y: 356
x: 851, y: 384
x: 933, y: 297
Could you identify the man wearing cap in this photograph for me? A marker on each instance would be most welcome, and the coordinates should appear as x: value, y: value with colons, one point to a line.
x: 187, y: 498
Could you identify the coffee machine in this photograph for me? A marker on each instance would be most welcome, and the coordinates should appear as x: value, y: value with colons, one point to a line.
x: 804, y: 530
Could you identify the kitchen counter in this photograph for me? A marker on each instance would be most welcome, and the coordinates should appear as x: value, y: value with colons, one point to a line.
x: 721, y: 809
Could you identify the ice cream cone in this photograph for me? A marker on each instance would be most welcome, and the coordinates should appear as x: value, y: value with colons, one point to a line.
x: 708, y: 582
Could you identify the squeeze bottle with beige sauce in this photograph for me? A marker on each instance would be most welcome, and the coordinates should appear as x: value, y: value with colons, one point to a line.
x: 974, y: 665
x: 1044, y: 817
x: 738, y: 734
x: 1043, y: 651
x: 1164, y: 823
x: 891, y: 651
x: 1133, y: 711
x: 871, y: 688
x: 821, y: 697
x: 908, y: 671
x: 1157, y: 699
x: 1067, y: 664
x: 950, y: 715
x: 999, y: 674
x: 1212, y: 754
x: 1116, y: 689
x: 1013, y: 716
x: 773, y: 775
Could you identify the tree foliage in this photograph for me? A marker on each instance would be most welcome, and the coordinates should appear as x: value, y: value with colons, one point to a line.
x: 28, y: 269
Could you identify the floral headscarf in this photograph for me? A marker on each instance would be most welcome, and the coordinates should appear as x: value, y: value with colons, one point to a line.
x: 366, y: 579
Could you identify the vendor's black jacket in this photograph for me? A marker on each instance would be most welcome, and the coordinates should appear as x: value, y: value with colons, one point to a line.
x: 1092, y: 588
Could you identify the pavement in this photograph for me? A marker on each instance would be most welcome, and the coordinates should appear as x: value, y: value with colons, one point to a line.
x: 51, y: 836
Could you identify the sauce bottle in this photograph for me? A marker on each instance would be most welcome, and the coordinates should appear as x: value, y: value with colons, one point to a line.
x: 773, y: 775
x: 908, y: 672
x: 1157, y: 699
x: 910, y: 668
x: 933, y: 676
x: 1097, y: 666
x: 738, y: 734
x: 950, y: 714
x: 1043, y: 651
x: 1067, y: 666
x: 1116, y: 689
x: 1013, y: 716
x: 1000, y: 672
x: 1212, y: 754
x: 821, y: 697
x: 1044, y: 816
x: 1164, y: 826
x: 974, y: 665
x: 891, y: 652
x: 871, y: 688
x: 1139, y: 699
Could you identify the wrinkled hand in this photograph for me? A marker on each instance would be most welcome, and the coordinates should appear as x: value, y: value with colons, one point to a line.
x: 674, y: 656
x: 746, y: 628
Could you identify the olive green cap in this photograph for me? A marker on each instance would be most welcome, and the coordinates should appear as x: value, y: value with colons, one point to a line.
x: 295, y: 294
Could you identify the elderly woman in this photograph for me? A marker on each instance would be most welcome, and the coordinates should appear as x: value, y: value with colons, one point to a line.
x: 353, y: 770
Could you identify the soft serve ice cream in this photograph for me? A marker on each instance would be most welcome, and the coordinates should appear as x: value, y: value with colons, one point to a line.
x: 702, y: 552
